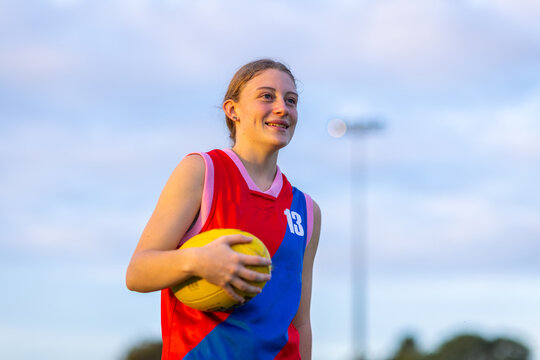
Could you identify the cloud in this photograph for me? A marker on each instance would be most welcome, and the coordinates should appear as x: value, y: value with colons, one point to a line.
x: 431, y: 43
x: 454, y: 232
x: 451, y: 189
x: 33, y: 63
x: 57, y: 343
x: 515, y: 129
x: 523, y: 14
x: 71, y: 190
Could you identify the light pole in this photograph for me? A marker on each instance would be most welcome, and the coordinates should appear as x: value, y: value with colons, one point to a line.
x: 357, y: 128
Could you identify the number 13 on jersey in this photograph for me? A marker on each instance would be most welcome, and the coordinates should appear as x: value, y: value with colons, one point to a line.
x: 295, y: 222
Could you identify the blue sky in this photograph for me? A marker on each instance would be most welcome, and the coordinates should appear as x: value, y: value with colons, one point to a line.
x: 99, y: 101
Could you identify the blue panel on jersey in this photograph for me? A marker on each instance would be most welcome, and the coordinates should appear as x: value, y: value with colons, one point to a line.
x: 258, y: 330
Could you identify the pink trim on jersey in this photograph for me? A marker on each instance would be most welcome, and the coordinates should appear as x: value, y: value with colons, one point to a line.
x: 309, y: 211
x: 274, y: 189
x: 206, y: 201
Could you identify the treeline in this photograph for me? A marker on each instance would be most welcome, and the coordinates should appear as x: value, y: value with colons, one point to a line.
x: 460, y: 347
x: 465, y: 347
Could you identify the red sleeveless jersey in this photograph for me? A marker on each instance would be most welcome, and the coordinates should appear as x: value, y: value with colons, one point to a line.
x: 282, y: 217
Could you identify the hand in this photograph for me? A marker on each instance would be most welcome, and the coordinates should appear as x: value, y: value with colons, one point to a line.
x: 219, y: 264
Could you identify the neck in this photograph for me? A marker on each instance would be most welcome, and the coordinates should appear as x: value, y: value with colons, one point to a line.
x: 261, y: 165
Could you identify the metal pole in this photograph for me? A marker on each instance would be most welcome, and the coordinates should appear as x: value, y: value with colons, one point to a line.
x: 358, y: 254
x: 339, y: 128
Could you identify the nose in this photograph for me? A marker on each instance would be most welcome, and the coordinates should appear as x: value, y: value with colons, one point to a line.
x: 280, y: 107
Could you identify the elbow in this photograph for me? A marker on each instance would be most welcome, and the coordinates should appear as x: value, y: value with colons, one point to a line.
x: 131, y: 280
x: 130, y: 286
x: 136, y: 283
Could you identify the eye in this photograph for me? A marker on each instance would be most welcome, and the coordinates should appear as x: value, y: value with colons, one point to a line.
x: 267, y: 96
x: 292, y: 100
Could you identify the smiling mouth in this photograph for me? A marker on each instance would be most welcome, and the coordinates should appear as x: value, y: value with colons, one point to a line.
x: 282, y: 126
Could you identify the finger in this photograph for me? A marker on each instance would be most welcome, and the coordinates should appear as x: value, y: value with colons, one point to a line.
x: 233, y: 294
x: 252, y: 275
x: 255, y: 260
x: 246, y: 287
x: 236, y: 239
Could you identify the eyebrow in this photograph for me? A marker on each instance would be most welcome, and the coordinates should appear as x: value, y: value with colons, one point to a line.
x: 272, y: 89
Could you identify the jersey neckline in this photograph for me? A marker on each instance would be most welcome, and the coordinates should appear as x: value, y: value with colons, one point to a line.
x: 274, y: 189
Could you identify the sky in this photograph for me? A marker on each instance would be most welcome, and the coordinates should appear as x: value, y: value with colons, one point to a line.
x: 100, y: 100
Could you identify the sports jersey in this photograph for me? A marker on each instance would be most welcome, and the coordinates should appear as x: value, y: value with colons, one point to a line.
x: 282, y: 217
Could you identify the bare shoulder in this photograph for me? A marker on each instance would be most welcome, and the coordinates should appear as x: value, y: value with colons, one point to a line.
x: 316, y: 213
x: 187, y: 176
x: 177, y: 206
x: 193, y: 160
x: 191, y: 166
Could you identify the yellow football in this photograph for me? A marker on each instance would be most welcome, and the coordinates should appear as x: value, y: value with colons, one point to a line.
x: 200, y: 294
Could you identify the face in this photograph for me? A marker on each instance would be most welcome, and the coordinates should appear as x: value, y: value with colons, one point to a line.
x: 266, y: 109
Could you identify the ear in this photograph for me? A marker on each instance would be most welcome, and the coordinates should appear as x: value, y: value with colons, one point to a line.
x: 229, y: 107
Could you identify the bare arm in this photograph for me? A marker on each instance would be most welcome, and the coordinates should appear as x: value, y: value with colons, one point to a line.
x: 157, y: 264
x: 302, y: 320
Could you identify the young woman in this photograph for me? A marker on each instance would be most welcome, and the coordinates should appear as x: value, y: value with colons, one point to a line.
x: 242, y: 188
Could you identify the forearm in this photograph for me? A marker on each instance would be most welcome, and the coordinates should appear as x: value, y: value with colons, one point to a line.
x: 153, y: 270
x: 304, y: 331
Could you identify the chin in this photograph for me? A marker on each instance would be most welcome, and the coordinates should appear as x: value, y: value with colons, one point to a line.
x: 282, y: 144
x: 282, y: 141
x: 277, y: 142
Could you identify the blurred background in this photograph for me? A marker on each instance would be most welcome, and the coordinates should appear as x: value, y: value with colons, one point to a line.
x: 100, y: 100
